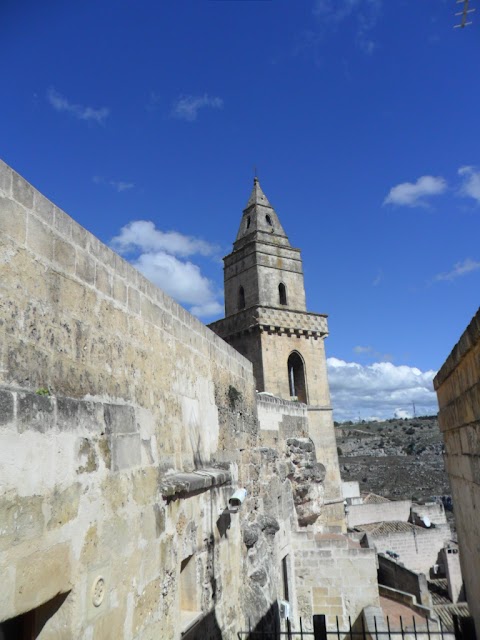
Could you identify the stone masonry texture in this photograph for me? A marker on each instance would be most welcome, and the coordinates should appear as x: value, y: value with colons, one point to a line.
x: 125, y: 427
x: 458, y: 390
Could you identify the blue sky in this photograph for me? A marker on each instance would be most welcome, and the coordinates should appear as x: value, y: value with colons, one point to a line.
x: 360, y: 115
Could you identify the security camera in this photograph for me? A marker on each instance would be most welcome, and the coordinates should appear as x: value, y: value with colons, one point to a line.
x: 237, y: 500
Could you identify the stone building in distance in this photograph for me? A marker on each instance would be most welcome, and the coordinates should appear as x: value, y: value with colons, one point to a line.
x: 126, y: 425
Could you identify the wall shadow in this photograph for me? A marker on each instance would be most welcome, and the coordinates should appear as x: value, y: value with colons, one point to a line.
x: 206, y: 629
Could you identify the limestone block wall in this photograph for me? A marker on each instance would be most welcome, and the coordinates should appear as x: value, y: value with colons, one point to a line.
x: 286, y: 419
x: 393, y: 575
x: 417, y: 552
x: 434, y: 511
x: 367, y: 513
x: 106, y: 387
x: 458, y: 390
x: 335, y: 577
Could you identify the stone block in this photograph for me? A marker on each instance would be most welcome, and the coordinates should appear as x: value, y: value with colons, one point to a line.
x: 64, y: 255
x: 21, y: 518
x: 64, y: 506
x: 74, y: 415
x: 22, y: 191
x: 34, y: 412
x: 12, y: 220
x: 126, y: 451
x: 133, y: 300
x: 85, y: 267
x: 103, y: 280
x: 110, y: 625
x: 40, y: 238
x: 119, y: 290
x: 43, y: 208
x: 5, y: 178
x: 120, y: 418
x: 147, y: 606
x: 41, y: 576
x: 6, y: 407
x: 79, y: 235
x: 63, y: 223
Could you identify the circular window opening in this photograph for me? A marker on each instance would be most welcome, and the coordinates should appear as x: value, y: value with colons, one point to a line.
x: 269, y: 220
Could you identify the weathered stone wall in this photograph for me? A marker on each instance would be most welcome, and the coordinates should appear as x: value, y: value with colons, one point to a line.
x: 382, y: 512
x: 335, y: 577
x: 419, y: 551
x: 107, y: 386
x: 434, y: 511
x: 393, y: 575
x: 458, y: 390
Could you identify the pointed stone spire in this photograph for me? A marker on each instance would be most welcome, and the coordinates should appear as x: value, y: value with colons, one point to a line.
x: 257, y: 196
x: 260, y: 221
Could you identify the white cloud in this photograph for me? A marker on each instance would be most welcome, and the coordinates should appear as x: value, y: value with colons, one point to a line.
x: 158, y: 255
x: 187, y: 107
x: 142, y: 234
x: 412, y: 194
x: 471, y: 182
x: 381, y: 389
x: 459, y: 269
x: 118, y: 185
x: 59, y: 103
x: 365, y: 13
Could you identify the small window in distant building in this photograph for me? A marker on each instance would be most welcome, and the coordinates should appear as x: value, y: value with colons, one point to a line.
x: 241, y: 299
x: 269, y: 220
x: 282, y: 293
x: 248, y: 222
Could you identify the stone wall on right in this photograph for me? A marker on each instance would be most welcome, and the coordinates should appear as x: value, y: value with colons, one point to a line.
x: 458, y: 390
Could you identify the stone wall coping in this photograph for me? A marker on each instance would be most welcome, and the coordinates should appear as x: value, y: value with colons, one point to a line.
x: 263, y: 397
x: 185, y: 483
x: 469, y: 338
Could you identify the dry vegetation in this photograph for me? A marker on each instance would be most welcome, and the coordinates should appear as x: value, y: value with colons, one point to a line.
x: 396, y: 458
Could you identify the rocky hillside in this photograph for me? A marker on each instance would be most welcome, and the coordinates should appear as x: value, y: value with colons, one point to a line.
x: 396, y: 458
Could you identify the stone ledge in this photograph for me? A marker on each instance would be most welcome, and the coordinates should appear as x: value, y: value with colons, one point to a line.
x: 184, y: 483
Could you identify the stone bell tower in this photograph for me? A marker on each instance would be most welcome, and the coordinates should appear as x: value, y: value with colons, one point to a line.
x: 266, y: 320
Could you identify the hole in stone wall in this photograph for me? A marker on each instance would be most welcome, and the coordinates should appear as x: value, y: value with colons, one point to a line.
x: 29, y: 625
x: 248, y: 222
x: 269, y: 220
x: 282, y: 293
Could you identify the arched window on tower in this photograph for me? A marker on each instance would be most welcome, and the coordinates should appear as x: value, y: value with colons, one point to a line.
x: 296, y: 377
x: 241, y: 299
x: 282, y: 293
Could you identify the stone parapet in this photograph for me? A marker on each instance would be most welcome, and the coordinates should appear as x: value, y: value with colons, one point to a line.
x: 272, y: 320
x: 470, y: 338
